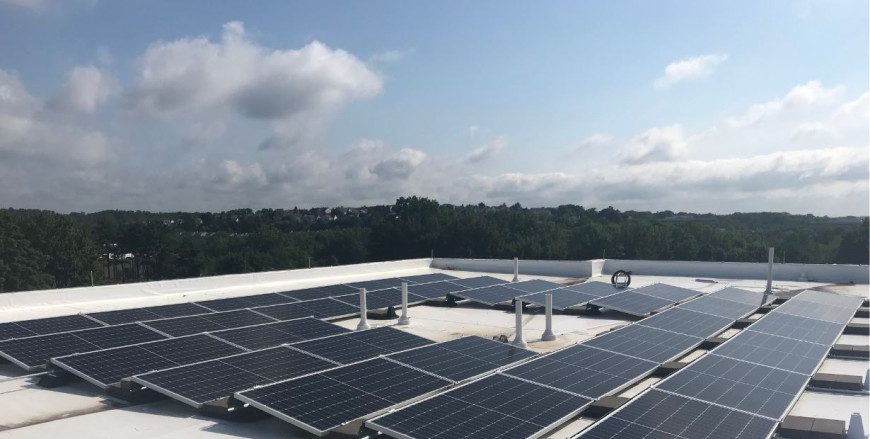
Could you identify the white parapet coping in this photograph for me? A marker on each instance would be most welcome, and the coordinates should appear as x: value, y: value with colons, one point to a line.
x: 527, y: 268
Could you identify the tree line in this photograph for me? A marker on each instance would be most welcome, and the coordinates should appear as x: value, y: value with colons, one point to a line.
x: 42, y: 249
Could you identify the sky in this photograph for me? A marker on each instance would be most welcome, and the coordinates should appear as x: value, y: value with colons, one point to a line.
x: 738, y: 106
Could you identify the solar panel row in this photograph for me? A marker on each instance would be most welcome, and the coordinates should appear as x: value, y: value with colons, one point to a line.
x: 574, y: 295
x: 463, y: 358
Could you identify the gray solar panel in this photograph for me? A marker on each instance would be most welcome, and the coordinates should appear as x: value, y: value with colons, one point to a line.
x: 464, y: 358
x: 479, y: 281
x: 121, y: 316
x: 54, y: 325
x: 427, y: 278
x: 719, y: 307
x: 490, y: 295
x: 435, y: 290
x: 645, y: 343
x: 362, y: 345
x: 687, y: 322
x: 534, y: 286
x: 632, y: 303
x: 599, y: 289
x: 774, y: 351
x: 817, y: 311
x: 798, y: 328
x: 320, y: 292
x: 381, y: 299
x: 744, y: 296
x: 179, y: 326
x: 562, y: 298
x: 830, y: 299
x: 668, y: 292
x: 379, y: 284
x: 274, y: 334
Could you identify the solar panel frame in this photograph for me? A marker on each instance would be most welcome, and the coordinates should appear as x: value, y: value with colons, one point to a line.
x: 534, y: 286
x: 687, y: 322
x: 479, y: 281
x: 668, y: 292
x: 645, y: 343
x: 362, y: 388
x: 490, y: 295
x: 630, y: 302
x: 464, y: 407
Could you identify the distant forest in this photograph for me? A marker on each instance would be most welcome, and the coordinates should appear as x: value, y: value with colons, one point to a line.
x: 42, y: 249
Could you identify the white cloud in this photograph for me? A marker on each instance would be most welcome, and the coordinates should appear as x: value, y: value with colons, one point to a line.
x: 86, y: 87
x: 400, y: 165
x: 473, y: 130
x: 487, y: 151
x: 689, y: 69
x: 854, y: 112
x: 595, y: 140
x: 205, y: 132
x: 297, y: 90
x: 656, y: 144
x: 813, y: 93
x: 232, y: 174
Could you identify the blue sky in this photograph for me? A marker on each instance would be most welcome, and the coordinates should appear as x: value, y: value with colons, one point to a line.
x: 687, y: 106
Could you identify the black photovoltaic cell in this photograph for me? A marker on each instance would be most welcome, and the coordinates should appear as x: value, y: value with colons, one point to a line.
x: 813, y: 310
x: 798, y: 328
x: 497, y: 406
x: 479, y: 282
x: 687, y: 322
x: 719, y: 307
x: 320, y: 292
x: 53, y: 325
x: 659, y: 415
x: 11, y: 330
x: 830, y: 299
x: 645, y: 343
x: 534, y: 286
x: 292, y: 311
x: 110, y: 366
x: 753, y: 388
x: 362, y: 345
x: 381, y: 299
x: 435, y: 290
x: 378, y: 284
x: 774, y: 351
x: 743, y: 296
x: 327, y: 400
x: 490, y: 295
x: 632, y: 303
x: 35, y: 351
x: 463, y: 358
x: 148, y: 313
x: 668, y: 292
x: 584, y: 370
x: 180, y: 326
x: 562, y: 298
x: 199, y: 383
x: 274, y: 334
x: 599, y: 289
x: 427, y: 278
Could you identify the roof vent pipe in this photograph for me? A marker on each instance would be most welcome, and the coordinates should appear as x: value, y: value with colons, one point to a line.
x: 516, y: 270
x: 855, y: 430
x: 518, y: 336
x: 363, y: 323
x: 769, y: 271
x: 548, y: 331
x: 404, y: 320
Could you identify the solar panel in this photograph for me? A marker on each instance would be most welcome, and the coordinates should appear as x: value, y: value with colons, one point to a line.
x: 753, y: 388
x: 830, y: 299
x: 107, y: 367
x: 534, y: 285
x: 645, y: 343
x: 719, y: 307
x: 668, y: 292
x: 464, y: 358
x: 798, y: 328
x: 320, y: 292
x: 497, y: 406
x: 381, y: 299
x: 180, y: 326
x: 687, y: 322
x: 632, y: 303
x: 817, y: 311
x: 657, y: 414
x: 743, y: 296
x: 362, y: 345
x: 327, y: 400
x: 584, y: 370
x: 428, y: 278
x: 490, y: 295
x: 378, y: 284
x: 233, y: 303
x: 33, y: 352
x: 479, y: 281
x: 599, y: 289
x: 274, y: 334
x: 435, y: 290
x: 774, y: 351
x: 199, y: 383
x: 53, y: 325
x: 11, y: 330
x: 562, y: 298
x: 148, y: 313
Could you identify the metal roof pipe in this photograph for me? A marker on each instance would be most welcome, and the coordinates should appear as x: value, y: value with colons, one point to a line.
x: 769, y: 270
x: 518, y: 336
x: 404, y: 320
x: 363, y: 322
x: 516, y: 270
x: 548, y: 331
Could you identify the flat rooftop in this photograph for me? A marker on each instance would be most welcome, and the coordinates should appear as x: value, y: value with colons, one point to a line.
x: 81, y: 410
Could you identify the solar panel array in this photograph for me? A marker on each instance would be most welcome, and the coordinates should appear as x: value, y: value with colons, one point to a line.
x: 382, y: 299
x: 645, y: 300
x: 180, y: 326
x: 274, y: 334
x: 744, y: 387
x: 362, y: 345
x: 463, y: 358
x: 574, y: 295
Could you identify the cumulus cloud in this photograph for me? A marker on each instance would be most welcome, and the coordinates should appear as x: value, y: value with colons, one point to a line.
x: 86, y: 87
x: 813, y: 93
x: 595, y: 140
x: 295, y: 89
x: 656, y: 145
x: 689, y: 69
x: 400, y: 165
x: 487, y: 151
